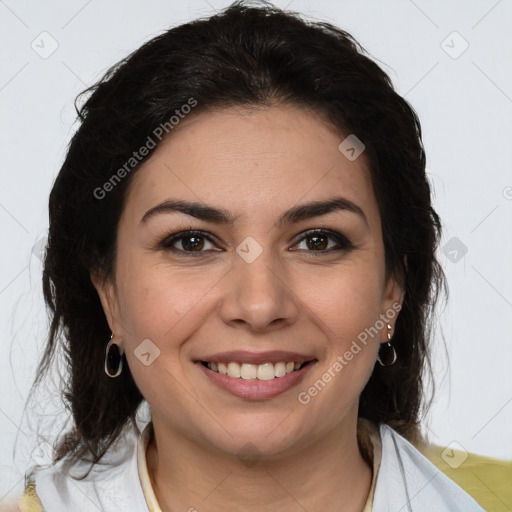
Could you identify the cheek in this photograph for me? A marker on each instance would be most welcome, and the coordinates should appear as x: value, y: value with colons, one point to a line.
x: 165, y: 306
x: 352, y: 345
x: 348, y: 302
x: 155, y: 299
x: 157, y: 313
x: 347, y: 310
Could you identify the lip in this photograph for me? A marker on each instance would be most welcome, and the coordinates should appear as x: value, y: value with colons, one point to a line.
x: 244, y: 356
x: 256, y: 389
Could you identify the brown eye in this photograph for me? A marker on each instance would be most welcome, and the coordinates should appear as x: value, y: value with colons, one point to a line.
x: 318, y: 241
x: 192, y: 243
x: 187, y: 242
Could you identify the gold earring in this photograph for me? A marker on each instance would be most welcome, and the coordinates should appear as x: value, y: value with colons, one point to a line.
x: 390, y: 351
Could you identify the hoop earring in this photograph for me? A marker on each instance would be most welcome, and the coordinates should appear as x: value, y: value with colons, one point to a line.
x: 391, y: 352
x: 113, y: 359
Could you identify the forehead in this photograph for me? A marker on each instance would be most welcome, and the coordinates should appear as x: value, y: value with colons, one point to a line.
x: 253, y: 162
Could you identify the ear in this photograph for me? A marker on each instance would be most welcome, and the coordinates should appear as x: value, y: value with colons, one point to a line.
x: 108, y: 296
x: 393, y: 299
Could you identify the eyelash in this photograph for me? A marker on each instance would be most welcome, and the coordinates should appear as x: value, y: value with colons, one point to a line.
x: 343, y: 243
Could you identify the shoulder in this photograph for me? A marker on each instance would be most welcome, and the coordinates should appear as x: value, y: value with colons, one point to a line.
x: 112, y: 484
x: 29, y: 501
x: 407, y: 477
x: 487, y: 480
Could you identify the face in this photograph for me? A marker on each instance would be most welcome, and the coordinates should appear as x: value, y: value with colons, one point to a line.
x: 196, y: 294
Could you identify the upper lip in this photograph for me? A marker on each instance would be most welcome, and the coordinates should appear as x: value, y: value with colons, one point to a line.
x: 243, y: 356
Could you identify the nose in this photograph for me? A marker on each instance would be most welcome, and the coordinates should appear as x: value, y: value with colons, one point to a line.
x: 258, y: 296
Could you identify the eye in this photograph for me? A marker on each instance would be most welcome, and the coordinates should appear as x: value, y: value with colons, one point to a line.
x: 195, y: 243
x: 190, y: 242
x: 317, y: 241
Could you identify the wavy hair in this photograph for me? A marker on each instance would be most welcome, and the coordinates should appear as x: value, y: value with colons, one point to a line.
x: 246, y: 55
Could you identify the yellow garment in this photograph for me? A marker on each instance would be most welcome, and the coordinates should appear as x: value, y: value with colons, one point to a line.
x: 29, y: 502
x: 488, y: 481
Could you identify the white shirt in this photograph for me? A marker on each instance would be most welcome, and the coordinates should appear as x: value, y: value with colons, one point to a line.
x: 406, y: 481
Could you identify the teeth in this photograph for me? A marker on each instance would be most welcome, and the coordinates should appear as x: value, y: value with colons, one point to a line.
x: 280, y: 369
x: 266, y: 371
x: 234, y: 370
x: 248, y: 371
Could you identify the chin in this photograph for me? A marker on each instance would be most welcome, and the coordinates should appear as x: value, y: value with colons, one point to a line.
x: 259, y: 436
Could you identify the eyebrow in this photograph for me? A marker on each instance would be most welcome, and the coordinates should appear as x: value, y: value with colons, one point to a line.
x: 221, y: 216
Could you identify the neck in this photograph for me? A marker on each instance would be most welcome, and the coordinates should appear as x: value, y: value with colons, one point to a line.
x: 324, y: 475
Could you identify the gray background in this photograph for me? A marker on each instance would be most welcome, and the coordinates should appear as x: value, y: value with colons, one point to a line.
x: 462, y: 95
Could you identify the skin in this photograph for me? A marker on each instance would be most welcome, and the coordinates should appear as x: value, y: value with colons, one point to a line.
x: 256, y: 164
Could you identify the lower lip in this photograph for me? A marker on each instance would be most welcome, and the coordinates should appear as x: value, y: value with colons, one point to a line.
x: 255, y: 389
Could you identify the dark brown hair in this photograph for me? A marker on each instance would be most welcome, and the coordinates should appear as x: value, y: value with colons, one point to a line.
x: 243, y: 56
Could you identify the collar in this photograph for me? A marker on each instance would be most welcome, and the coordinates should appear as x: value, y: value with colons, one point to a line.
x: 145, y: 481
x: 409, y: 482
x: 406, y: 480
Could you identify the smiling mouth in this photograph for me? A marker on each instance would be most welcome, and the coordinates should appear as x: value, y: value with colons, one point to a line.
x: 265, y: 371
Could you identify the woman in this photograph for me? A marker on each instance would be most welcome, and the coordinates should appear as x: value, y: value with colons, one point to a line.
x: 242, y: 236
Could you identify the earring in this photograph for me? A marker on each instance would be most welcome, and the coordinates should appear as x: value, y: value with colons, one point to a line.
x: 391, y: 352
x: 113, y: 359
